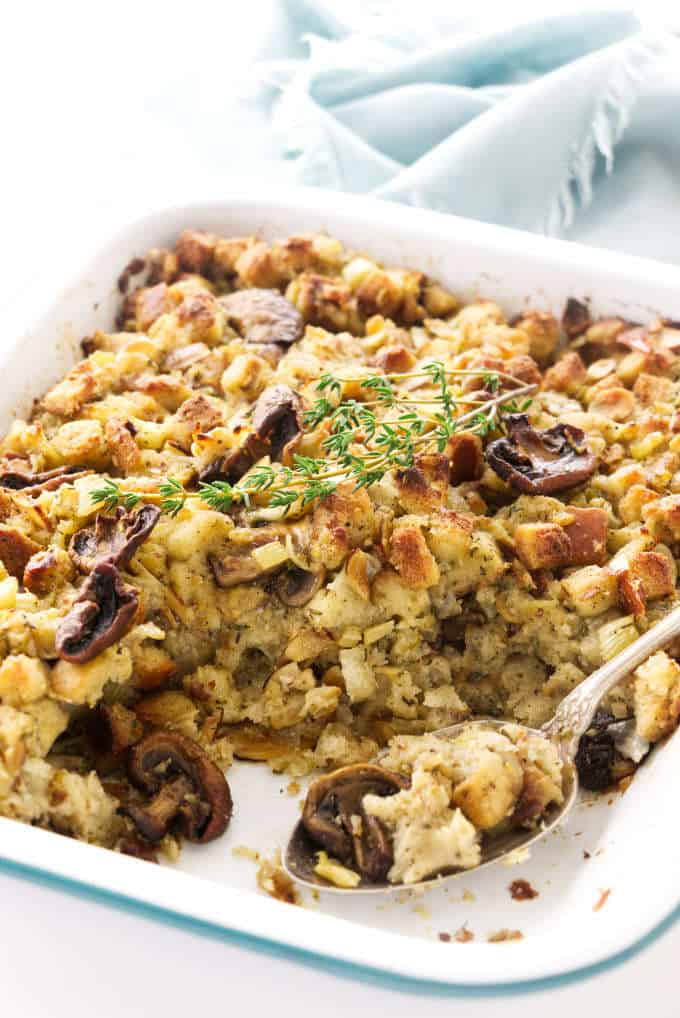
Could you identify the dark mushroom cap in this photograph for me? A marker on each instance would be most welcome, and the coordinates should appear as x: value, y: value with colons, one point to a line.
x: 575, y: 318
x: 113, y: 538
x: 264, y: 316
x: 103, y: 612
x: 236, y: 463
x: 112, y: 728
x: 277, y: 418
x: 541, y: 462
x: 190, y: 793
x: 334, y: 817
x: 276, y: 423
x: 24, y: 480
x: 596, y: 754
x: 296, y: 586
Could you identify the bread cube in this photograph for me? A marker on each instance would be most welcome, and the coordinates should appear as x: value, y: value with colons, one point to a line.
x: 357, y: 674
x: 542, y: 545
x: 411, y: 557
x: 663, y: 518
x: 656, y: 697
x: 567, y: 375
x: 591, y: 590
x: 84, y: 683
x: 23, y: 680
x: 587, y: 535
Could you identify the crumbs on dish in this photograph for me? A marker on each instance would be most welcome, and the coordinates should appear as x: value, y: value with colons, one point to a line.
x: 300, y: 507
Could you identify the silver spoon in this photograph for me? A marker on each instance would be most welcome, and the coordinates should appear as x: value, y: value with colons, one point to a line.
x: 571, y: 720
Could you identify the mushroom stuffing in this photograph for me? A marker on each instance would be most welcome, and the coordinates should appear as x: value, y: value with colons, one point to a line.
x: 302, y: 509
x: 429, y: 805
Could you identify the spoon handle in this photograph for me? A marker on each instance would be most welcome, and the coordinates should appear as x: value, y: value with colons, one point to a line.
x: 574, y: 715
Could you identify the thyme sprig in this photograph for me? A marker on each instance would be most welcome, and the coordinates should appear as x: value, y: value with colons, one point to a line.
x: 359, y: 445
x: 111, y: 495
x: 173, y: 496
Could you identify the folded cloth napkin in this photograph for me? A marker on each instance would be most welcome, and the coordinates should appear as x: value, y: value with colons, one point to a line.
x: 569, y: 125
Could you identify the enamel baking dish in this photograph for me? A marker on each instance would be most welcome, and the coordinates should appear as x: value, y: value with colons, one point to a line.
x: 607, y: 882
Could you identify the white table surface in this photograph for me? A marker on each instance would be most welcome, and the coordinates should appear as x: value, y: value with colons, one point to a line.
x: 104, y: 110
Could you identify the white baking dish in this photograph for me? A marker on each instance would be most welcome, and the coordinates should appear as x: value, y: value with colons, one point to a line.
x: 631, y: 840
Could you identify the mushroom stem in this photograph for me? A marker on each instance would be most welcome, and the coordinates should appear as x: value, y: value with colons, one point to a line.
x: 153, y: 820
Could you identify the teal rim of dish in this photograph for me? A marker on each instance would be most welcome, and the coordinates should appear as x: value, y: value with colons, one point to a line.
x: 333, y: 966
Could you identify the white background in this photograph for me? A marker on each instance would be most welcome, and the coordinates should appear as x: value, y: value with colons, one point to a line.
x: 106, y: 108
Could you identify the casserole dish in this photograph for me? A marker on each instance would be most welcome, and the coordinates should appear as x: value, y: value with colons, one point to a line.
x: 603, y: 882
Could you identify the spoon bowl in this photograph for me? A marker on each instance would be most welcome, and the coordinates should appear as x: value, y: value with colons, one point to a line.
x: 569, y: 723
x: 300, y: 856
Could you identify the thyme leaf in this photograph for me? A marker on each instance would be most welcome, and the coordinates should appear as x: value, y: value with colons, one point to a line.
x: 111, y: 495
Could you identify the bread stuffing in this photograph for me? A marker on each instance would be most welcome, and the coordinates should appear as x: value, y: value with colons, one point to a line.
x: 298, y: 507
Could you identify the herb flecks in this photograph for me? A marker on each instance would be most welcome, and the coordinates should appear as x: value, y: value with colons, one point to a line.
x: 364, y: 440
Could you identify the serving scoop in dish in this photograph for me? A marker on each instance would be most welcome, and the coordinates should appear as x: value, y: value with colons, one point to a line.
x: 570, y: 722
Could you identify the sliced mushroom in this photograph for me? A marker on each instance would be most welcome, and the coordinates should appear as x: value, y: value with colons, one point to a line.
x: 16, y: 550
x: 276, y: 423
x: 295, y: 586
x: 103, y: 612
x: 263, y: 316
x: 133, y: 268
x: 277, y: 418
x: 110, y: 730
x: 606, y: 336
x: 184, y: 356
x: 466, y: 458
x: 235, y: 464
x: 190, y: 793
x: 113, y: 538
x: 575, y: 318
x: 271, y: 353
x: 19, y: 479
x: 541, y: 462
x: 596, y: 754
x: 334, y: 817
x: 230, y: 570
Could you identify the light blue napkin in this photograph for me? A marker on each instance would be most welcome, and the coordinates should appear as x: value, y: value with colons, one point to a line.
x: 569, y: 125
